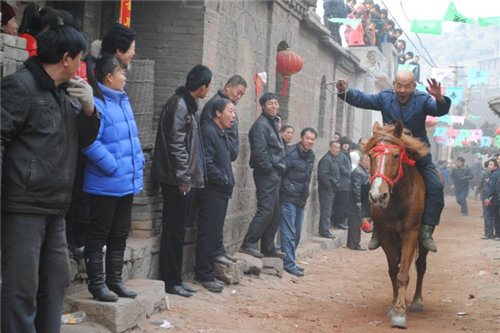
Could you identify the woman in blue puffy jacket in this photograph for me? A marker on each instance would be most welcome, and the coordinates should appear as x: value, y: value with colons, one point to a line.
x: 113, y: 174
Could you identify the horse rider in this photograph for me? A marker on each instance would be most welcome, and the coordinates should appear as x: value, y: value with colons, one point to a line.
x: 403, y: 102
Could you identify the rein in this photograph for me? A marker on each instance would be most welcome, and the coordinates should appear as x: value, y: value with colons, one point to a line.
x: 380, y: 150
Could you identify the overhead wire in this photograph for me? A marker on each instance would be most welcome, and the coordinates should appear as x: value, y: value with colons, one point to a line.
x: 430, y: 62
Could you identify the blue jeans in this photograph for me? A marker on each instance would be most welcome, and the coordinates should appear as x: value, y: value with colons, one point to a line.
x: 461, y: 194
x: 434, y: 193
x: 290, y: 229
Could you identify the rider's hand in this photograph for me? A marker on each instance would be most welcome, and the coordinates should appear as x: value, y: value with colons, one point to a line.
x: 341, y: 85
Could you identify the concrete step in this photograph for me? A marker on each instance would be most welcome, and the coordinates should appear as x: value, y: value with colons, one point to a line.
x: 123, y: 315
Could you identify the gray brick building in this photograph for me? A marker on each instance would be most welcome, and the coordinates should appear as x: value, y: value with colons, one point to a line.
x: 234, y: 37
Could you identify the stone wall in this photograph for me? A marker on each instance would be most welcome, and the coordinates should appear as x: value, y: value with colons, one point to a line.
x: 237, y: 37
x: 12, y: 54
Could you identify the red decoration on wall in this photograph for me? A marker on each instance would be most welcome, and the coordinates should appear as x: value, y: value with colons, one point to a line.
x: 287, y: 64
x: 125, y: 8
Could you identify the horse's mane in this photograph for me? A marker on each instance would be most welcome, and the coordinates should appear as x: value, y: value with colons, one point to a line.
x: 415, y: 149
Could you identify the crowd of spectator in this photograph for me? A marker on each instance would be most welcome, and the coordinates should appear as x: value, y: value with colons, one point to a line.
x: 375, y: 28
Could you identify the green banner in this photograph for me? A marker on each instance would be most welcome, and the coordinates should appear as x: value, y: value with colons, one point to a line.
x: 486, y: 21
x: 406, y: 68
x: 352, y: 22
x: 452, y: 15
x: 426, y: 27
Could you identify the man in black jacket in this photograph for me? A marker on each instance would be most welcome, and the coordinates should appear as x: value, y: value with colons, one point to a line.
x: 328, y: 184
x: 43, y: 125
x: 294, y: 192
x: 267, y: 158
x: 213, y: 199
x: 179, y: 167
x: 461, y: 176
x: 234, y: 90
x: 358, y: 177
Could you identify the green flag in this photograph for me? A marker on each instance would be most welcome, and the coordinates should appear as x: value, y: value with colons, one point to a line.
x: 426, y: 27
x: 452, y: 15
x: 486, y: 21
x: 406, y: 68
x: 352, y: 22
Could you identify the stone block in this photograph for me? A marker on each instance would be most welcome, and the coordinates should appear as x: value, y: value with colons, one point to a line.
x: 229, y: 274
x: 127, y: 313
x: 1, y: 57
x: 144, y: 233
x: 9, y: 67
x: 272, y: 266
x: 12, y: 41
x: 142, y: 225
x: 15, y: 54
x: 249, y: 264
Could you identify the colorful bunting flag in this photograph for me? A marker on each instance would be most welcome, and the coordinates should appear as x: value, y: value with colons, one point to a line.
x: 426, y: 27
x: 485, y: 141
x: 477, y: 77
x: 487, y: 21
x: 440, y: 132
x: 455, y: 94
x: 352, y: 22
x: 439, y: 73
x: 452, y: 15
x: 406, y: 68
x: 474, y: 117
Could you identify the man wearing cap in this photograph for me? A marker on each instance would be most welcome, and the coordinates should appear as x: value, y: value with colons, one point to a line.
x: 9, y: 24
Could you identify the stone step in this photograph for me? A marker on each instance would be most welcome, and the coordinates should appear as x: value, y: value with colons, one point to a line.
x: 123, y: 315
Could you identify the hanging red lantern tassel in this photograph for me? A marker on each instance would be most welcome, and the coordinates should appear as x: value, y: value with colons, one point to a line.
x: 287, y: 64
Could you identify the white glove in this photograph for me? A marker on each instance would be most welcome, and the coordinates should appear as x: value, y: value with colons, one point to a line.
x: 83, y: 91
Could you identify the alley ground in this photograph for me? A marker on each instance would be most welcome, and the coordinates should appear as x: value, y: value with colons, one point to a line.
x: 349, y: 291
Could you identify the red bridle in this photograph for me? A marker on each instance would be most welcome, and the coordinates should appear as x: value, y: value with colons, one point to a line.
x: 380, y: 150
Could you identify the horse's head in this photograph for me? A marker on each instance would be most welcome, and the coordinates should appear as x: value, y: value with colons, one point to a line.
x: 390, y: 148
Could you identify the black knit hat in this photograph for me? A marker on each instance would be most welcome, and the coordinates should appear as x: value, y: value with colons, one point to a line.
x: 7, y: 13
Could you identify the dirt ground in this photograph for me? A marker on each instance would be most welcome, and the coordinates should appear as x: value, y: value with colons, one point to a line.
x: 350, y: 291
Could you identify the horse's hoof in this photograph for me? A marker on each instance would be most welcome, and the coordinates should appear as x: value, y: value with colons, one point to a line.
x: 398, y: 321
x: 416, y: 307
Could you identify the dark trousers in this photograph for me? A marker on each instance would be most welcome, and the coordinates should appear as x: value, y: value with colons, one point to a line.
x: 212, y: 213
x: 110, y: 223
x: 461, y: 195
x: 174, y: 224
x: 334, y: 29
x: 266, y: 220
x: 326, y: 198
x: 35, y: 272
x: 354, y: 222
x: 340, y: 208
x: 434, y: 194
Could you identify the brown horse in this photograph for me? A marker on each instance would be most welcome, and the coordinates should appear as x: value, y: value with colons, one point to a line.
x: 397, y: 205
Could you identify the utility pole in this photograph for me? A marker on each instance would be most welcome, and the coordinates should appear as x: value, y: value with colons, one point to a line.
x: 452, y: 109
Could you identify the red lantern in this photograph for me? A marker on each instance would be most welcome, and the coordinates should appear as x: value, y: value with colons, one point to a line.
x: 498, y: 131
x: 287, y: 64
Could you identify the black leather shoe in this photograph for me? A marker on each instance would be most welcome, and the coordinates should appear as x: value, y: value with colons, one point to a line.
x: 329, y: 235
x: 251, y: 251
x: 213, y: 286
x: 177, y: 290
x: 342, y: 226
x: 223, y: 261
x: 187, y: 288
x: 295, y: 272
x: 275, y: 254
x: 300, y: 269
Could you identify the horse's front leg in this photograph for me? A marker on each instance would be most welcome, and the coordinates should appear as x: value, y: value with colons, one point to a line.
x: 409, y: 243
x: 392, y: 263
x: 418, y: 302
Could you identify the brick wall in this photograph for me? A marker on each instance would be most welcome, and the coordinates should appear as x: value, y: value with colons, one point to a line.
x: 12, y: 54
